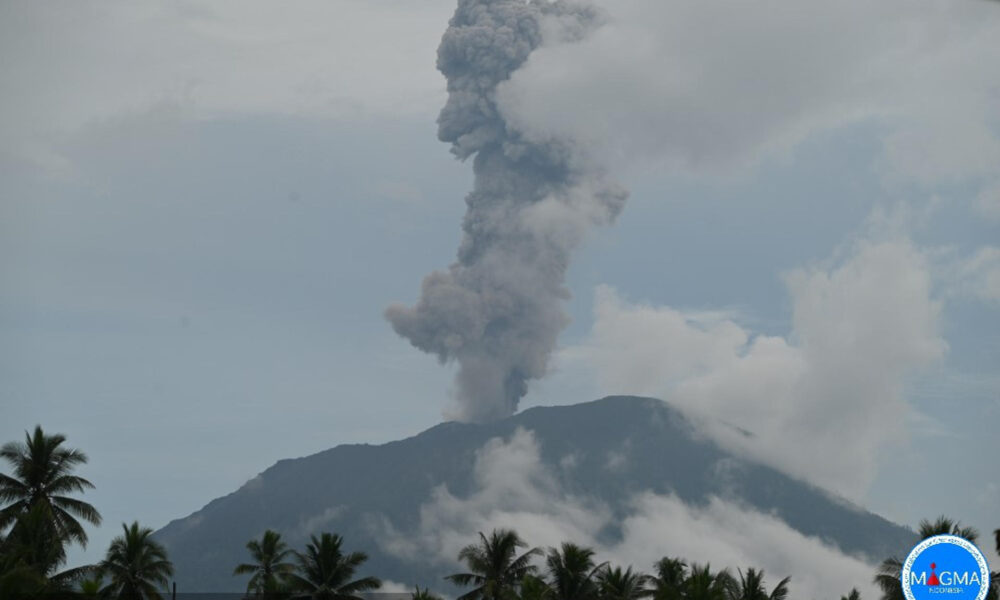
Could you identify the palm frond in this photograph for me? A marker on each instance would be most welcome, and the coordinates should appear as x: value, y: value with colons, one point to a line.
x: 780, y: 591
x: 463, y: 578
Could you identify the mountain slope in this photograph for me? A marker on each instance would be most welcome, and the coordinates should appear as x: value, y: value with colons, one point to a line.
x: 343, y: 488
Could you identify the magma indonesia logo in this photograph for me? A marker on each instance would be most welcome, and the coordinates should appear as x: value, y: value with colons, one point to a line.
x: 945, y: 566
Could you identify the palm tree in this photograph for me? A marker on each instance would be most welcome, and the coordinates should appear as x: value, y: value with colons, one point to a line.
x: 573, y: 572
x: 945, y: 526
x: 615, y: 584
x: 751, y: 587
x: 670, y: 579
x: 136, y: 564
x: 887, y: 577
x: 853, y: 595
x: 703, y: 584
x: 91, y: 588
x: 780, y: 591
x: 31, y: 556
x: 494, y: 566
x: 889, y: 572
x: 33, y: 543
x: 423, y: 594
x: 995, y: 576
x: 534, y: 587
x: 326, y: 573
x: 43, y: 476
x: 268, y: 568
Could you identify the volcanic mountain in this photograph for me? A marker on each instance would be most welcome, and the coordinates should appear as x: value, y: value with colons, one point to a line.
x: 605, y: 452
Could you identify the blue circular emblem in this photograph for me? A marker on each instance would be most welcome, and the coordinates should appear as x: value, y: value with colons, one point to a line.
x: 945, y: 567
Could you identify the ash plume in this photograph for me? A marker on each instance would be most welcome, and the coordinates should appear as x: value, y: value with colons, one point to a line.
x: 498, y: 309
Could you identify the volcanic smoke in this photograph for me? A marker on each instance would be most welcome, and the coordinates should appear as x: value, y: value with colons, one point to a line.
x: 498, y: 309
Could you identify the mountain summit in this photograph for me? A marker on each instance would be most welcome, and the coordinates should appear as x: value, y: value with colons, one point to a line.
x: 606, y: 452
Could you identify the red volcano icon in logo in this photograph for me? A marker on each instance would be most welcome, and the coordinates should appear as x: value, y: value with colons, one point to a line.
x: 933, y: 580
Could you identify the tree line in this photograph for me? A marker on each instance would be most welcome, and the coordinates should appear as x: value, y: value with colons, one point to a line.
x: 40, y: 518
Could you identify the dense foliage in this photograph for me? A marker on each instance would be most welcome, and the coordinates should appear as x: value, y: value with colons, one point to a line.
x: 39, y: 518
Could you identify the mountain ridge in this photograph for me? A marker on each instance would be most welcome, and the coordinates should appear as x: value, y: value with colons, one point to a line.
x: 345, y: 487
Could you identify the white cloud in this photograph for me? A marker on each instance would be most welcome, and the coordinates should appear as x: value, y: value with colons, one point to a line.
x: 977, y: 276
x: 512, y: 488
x: 725, y: 534
x: 515, y: 490
x: 320, y: 521
x: 988, y: 201
x: 74, y: 63
x: 698, y: 84
x: 394, y: 587
x: 820, y: 402
x: 707, y: 86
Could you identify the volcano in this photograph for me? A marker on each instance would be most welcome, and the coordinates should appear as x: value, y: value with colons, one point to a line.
x: 361, y: 490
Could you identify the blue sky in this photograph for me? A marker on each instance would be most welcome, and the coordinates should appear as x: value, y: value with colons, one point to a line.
x: 204, y: 213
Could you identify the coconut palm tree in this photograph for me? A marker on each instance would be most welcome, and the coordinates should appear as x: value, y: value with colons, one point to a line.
x: 750, y: 586
x: 615, y: 584
x: 268, y: 569
x: 495, y: 569
x: 42, y: 475
x: 995, y: 576
x: 853, y: 595
x: 326, y: 573
x: 31, y: 556
x: 423, y: 594
x: 572, y: 572
x: 887, y: 578
x: 780, y: 591
x: 136, y: 564
x: 91, y: 587
x: 19, y: 582
x: 670, y: 579
x: 534, y: 587
x: 34, y: 542
x: 703, y: 584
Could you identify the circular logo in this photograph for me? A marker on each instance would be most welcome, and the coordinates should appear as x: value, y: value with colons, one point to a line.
x: 945, y: 567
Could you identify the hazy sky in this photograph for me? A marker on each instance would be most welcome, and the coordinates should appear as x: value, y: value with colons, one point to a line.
x: 205, y: 209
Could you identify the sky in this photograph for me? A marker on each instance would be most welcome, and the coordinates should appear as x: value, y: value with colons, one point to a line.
x: 206, y: 209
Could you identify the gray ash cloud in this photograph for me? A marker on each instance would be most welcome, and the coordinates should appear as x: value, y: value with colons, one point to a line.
x: 498, y: 309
